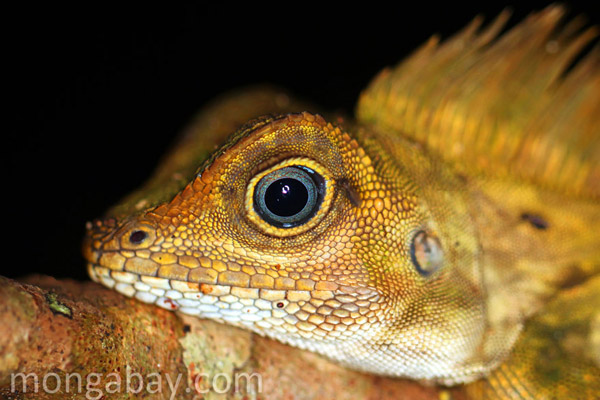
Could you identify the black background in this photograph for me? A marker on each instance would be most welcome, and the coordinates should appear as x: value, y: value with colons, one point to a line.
x: 96, y: 94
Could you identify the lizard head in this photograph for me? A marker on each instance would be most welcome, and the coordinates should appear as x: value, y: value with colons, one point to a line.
x: 317, y: 237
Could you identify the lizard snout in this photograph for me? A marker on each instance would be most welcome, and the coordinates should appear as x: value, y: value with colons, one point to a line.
x: 118, y: 246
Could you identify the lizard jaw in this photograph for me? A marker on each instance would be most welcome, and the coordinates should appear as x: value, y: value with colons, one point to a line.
x: 255, y: 298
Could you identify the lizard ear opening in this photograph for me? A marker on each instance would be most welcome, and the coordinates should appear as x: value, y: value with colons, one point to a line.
x: 426, y: 253
x: 289, y: 198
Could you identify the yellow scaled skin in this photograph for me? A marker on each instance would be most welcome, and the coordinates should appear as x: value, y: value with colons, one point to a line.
x: 501, y: 247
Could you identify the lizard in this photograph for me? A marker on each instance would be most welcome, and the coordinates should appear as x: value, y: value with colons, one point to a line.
x: 447, y: 233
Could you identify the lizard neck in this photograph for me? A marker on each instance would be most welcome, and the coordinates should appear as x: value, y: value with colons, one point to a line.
x: 509, y: 246
x: 448, y: 208
x: 532, y: 246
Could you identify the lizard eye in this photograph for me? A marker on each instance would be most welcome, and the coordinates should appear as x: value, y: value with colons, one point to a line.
x: 289, y: 196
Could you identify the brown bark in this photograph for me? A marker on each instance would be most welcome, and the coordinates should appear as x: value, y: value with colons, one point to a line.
x: 62, y: 330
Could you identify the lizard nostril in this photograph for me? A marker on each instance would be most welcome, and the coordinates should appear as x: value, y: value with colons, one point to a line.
x: 137, y: 237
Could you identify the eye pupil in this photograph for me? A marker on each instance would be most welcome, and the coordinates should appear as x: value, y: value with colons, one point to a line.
x: 286, y: 197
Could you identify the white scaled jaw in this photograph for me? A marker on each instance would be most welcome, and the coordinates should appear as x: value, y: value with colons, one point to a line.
x: 278, y: 312
x: 293, y: 316
x: 245, y: 306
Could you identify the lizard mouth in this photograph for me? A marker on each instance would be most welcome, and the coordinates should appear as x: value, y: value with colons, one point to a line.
x: 271, y: 301
x: 198, y: 286
x: 222, y: 302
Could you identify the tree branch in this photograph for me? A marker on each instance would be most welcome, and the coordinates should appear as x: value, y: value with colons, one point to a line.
x: 85, y: 341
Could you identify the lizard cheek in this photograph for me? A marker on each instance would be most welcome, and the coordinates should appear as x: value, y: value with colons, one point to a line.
x: 426, y: 253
